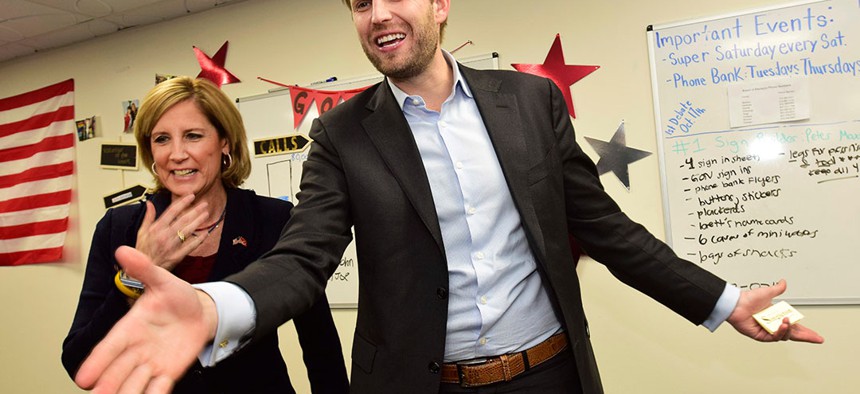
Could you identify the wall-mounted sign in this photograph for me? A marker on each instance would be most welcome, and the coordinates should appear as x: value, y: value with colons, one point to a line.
x: 125, y: 196
x: 118, y: 155
x: 280, y: 145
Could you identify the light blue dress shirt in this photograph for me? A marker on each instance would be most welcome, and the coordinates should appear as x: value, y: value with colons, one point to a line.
x: 496, y: 301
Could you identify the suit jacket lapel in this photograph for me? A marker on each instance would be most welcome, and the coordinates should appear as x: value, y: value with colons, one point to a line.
x: 390, y: 133
x: 501, y: 116
x: 239, y: 221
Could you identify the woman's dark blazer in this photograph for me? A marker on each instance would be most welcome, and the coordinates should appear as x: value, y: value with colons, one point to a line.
x: 259, y: 368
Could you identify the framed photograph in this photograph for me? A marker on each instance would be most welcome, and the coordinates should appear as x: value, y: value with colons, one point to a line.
x: 129, y: 113
x: 159, y: 78
x: 86, y: 128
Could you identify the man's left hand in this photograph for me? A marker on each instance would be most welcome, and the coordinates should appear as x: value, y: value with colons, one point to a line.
x: 754, y: 301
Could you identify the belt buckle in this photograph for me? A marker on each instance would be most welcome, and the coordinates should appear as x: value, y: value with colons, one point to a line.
x: 468, y: 363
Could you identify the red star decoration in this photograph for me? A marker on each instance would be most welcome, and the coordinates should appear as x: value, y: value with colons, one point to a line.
x: 555, y: 69
x: 213, y: 68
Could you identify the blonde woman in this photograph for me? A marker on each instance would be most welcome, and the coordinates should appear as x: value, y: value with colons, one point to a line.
x: 199, y: 225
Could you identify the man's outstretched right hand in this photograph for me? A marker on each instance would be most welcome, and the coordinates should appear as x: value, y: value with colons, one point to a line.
x: 153, y: 345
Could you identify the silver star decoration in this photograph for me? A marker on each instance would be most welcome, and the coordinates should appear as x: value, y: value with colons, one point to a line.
x: 615, y: 156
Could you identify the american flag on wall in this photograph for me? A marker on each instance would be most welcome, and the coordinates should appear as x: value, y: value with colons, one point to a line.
x: 37, y: 152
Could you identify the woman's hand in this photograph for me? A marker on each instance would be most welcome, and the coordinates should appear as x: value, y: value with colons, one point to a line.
x: 170, y: 238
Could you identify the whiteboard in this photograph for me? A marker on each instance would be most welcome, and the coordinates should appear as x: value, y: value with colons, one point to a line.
x: 270, y: 115
x: 758, y: 128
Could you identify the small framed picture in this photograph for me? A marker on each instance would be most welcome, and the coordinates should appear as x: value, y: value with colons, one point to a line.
x: 86, y: 128
x: 129, y: 109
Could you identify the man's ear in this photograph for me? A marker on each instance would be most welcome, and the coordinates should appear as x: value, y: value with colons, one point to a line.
x: 441, y: 8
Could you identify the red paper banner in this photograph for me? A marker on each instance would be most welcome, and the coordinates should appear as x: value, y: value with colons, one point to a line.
x: 325, y: 100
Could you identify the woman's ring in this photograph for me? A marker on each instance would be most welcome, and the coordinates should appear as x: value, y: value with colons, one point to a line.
x: 181, y: 236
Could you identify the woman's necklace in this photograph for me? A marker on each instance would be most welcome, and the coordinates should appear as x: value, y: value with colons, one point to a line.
x: 211, y: 227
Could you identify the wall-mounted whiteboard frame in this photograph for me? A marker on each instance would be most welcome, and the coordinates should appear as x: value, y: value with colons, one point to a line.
x: 800, y: 223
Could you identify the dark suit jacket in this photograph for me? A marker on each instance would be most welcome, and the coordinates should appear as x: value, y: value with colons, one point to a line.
x: 364, y: 169
x: 259, y: 368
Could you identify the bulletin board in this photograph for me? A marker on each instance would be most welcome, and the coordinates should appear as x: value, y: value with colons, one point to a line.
x: 270, y: 117
x: 758, y: 127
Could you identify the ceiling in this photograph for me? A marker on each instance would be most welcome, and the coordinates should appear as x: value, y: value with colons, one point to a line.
x: 30, y: 26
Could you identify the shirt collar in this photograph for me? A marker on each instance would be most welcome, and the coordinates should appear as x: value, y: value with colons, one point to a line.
x: 401, y: 96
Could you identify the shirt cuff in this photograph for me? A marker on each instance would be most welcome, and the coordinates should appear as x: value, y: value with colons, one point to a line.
x: 725, y: 305
x: 237, y: 319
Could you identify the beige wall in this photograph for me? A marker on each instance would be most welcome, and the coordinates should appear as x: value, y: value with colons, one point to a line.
x: 641, y: 346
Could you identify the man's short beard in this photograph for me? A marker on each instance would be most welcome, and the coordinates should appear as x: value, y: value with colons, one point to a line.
x: 426, y: 41
x: 415, y: 66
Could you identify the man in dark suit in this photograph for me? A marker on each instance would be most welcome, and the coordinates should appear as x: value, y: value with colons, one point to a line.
x: 462, y: 186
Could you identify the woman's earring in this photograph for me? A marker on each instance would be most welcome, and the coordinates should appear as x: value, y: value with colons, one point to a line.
x: 153, y: 168
x: 227, y: 161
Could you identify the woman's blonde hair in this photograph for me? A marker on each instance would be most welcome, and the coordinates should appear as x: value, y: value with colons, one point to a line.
x: 218, y: 109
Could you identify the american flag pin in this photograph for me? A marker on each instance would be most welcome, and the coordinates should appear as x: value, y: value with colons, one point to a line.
x: 240, y: 240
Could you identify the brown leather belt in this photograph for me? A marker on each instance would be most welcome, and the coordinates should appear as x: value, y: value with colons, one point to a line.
x: 505, y: 367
